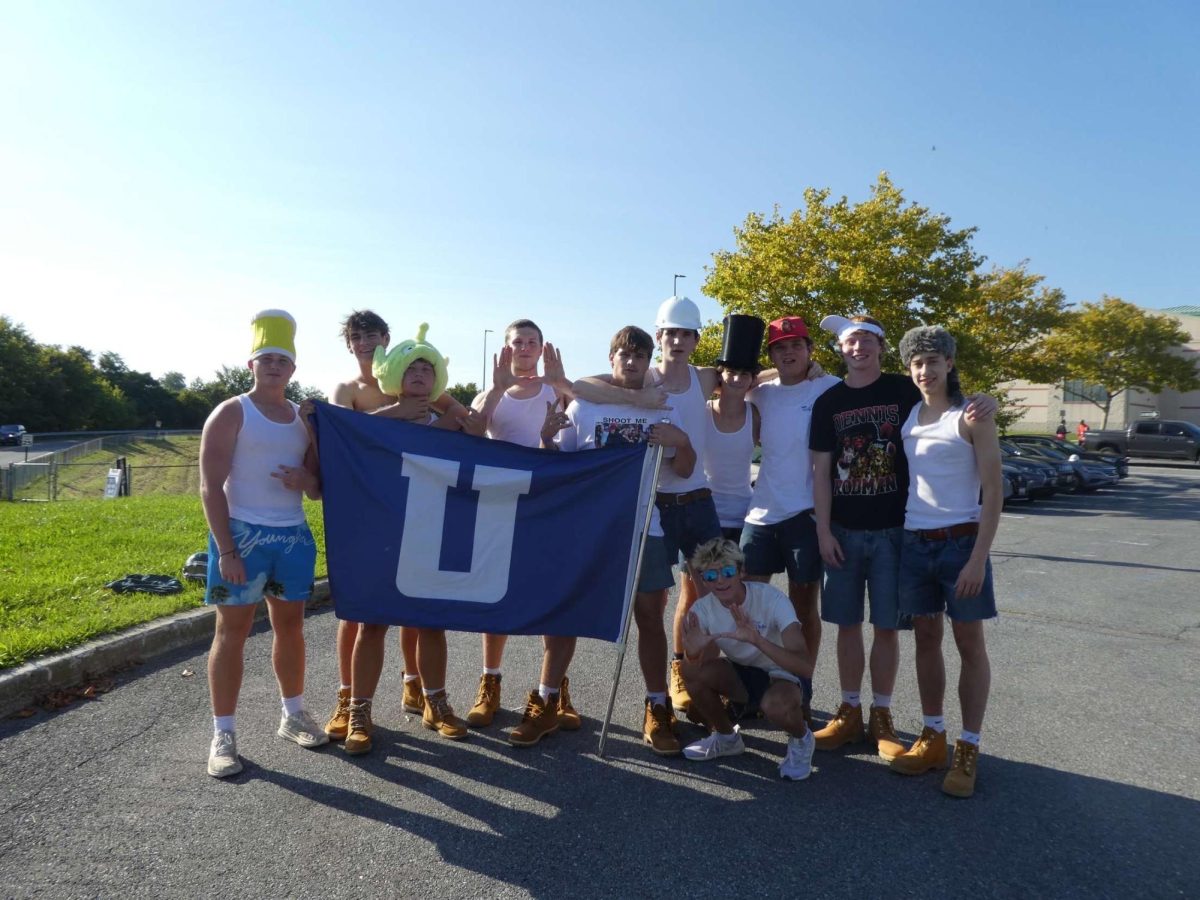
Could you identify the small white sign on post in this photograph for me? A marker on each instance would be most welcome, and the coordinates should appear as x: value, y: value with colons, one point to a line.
x: 112, y: 485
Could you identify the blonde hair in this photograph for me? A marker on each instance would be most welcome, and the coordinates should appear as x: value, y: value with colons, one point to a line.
x: 716, y: 553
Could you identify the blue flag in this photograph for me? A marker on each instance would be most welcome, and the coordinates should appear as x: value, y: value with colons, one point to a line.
x: 439, y: 529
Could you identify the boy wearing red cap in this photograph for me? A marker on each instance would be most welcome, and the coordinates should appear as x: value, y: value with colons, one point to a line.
x: 780, y: 534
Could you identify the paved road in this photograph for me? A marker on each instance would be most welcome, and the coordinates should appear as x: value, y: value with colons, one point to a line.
x: 1090, y: 786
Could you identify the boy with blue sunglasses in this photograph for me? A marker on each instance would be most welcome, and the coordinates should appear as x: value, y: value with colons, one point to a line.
x: 743, y: 643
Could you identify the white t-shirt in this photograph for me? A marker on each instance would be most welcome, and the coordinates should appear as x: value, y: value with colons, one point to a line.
x: 784, y: 486
x: 771, y: 612
x: 520, y: 421
x: 595, y: 426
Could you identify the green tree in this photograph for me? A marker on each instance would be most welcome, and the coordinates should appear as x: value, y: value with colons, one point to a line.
x: 463, y: 393
x: 1119, y: 346
x: 896, y: 261
x: 173, y: 382
x: 20, y: 395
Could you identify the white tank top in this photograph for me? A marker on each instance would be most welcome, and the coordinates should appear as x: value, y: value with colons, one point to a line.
x: 943, y: 479
x: 691, y: 408
x: 520, y: 421
x: 727, y: 466
x: 262, y: 445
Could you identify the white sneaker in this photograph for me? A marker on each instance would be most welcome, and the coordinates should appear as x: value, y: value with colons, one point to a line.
x: 797, y: 762
x: 302, y: 729
x: 716, y: 744
x: 223, y: 756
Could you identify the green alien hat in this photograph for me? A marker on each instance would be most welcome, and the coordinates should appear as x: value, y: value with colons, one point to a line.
x: 389, y: 367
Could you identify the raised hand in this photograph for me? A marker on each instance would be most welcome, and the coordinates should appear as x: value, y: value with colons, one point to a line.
x: 552, y: 367
x: 556, y: 420
x: 502, y: 373
x: 695, y: 639
x: 744, y: 629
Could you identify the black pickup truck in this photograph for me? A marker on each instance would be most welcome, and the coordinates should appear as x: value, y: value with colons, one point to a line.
x: 1161, y: 438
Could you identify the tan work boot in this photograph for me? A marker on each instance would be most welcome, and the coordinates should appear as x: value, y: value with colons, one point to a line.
x: 883, y: 733
x: 843, y: 728
x: 359, y: 727
x: 540, y: 719
x: 568, y: 718
x: 339, y: 721
x: 487, y: 701
x: 413, y: 699
x: 657, y: 731
x: 681, y: 701
x: 927, y: 752
x: 960, y: 780
x: 439, y: 716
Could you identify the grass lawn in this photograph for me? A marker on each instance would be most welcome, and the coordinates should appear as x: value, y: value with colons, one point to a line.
x: 56, y: 557
x: 167, y: 466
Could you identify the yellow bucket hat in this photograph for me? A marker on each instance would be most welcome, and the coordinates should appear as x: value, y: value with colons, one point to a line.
x: 274, y: 332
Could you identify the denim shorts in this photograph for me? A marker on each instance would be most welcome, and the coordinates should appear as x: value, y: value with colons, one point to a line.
x: 790, y: 545
x: 686, y: 526
x: 655, y: 573
x: 279, y: 561
x: 928, y: 572
x: 870, y: 569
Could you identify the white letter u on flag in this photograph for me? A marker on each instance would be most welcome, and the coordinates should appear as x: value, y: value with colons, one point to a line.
x: 417, y: 573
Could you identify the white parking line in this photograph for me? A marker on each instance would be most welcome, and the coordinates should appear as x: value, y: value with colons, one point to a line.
x: 1133, y: 543
x: 1011, y: 516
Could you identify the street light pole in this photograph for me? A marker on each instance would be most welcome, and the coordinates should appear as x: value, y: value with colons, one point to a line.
x: 675, y: 285
x: 483, y: 380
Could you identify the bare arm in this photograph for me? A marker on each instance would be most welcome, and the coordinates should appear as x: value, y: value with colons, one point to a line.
x: 667, y: 435
x: 792, y: 655
x: 982, y: 434
x: 216, y: 460
x: 600, y: 389
x: 831, y: 550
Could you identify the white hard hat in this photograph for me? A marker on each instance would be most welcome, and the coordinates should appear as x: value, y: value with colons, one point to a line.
x: 678, y: 312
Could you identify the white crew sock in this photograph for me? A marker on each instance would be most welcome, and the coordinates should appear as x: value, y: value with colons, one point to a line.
x: 883, y: 701
x: 971, y: 737
x: 293, y: 705
x: 429, y: 692
x: 223, y: 723
x: 937, y: 723
x: 547, y: 692
x: 854, y: 698
x: 344, y: 687
x: 487, y: 671
x: 408, y: 678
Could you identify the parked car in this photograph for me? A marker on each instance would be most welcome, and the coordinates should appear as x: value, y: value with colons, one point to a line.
x: 1164, y: 439
x: 1088, y: 475
x: 1041, y: 478
x: 14, y: 435
x: 1038, y: 440
x: 1059, y: 475
x: 1015, y: 485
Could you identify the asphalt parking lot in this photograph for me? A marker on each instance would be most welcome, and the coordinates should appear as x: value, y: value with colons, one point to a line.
x: 1089, y: 781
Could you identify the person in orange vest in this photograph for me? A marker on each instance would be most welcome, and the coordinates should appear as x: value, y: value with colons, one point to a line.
x: 1080, y: 431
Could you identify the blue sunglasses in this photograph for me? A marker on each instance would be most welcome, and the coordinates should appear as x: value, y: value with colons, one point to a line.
x: 711, y: 575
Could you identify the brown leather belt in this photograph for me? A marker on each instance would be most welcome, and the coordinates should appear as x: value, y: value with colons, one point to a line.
x: 966, y: 529
x: 681, y: 499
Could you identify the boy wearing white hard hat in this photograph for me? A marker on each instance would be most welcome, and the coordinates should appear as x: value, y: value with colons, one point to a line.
x: 256, y: 459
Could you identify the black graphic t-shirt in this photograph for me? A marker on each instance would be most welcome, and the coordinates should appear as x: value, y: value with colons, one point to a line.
x: 860, y: 429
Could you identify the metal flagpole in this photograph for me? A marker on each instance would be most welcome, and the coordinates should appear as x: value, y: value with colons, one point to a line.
x: 612, y: 697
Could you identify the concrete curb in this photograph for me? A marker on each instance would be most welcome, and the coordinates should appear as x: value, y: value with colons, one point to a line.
x: 25, y: 685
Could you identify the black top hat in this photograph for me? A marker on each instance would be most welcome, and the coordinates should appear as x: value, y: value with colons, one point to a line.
x: 742, y: 342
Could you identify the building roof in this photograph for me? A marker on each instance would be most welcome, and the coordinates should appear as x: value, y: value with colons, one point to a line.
x: 1182, y: 310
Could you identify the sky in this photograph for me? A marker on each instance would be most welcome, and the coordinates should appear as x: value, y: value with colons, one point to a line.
x: 171, y: 168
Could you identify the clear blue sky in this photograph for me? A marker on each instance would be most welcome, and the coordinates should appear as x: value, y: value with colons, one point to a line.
x: 170, y: 168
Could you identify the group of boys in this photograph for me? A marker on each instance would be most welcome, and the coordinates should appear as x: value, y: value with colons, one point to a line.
x: 829, y: 500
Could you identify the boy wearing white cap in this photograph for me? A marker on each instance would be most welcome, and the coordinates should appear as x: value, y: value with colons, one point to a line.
x: 256, y: 457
